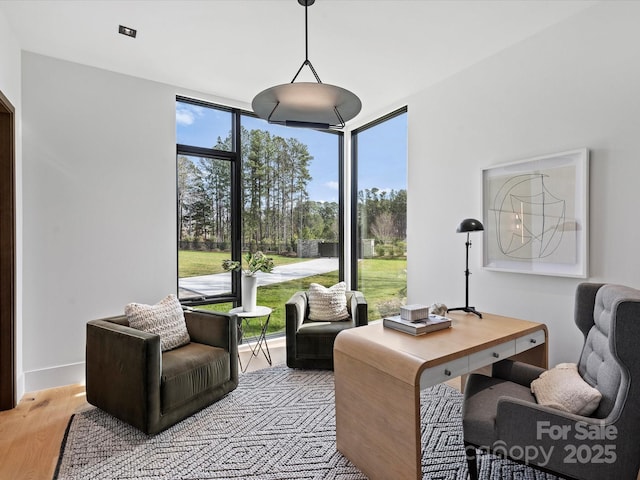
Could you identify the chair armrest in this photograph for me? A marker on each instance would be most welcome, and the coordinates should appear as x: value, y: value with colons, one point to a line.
x: 123, y: 371
x: 517, y: 372
x: 513, y: 413
x: 359, y: 309
x: 551, y: 435
x: 216, y: 329
x: 295, y: 312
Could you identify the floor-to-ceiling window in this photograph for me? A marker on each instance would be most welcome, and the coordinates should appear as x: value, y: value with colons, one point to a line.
x: 379, y: 220
x: 286, y: 203
x: 207, y: 164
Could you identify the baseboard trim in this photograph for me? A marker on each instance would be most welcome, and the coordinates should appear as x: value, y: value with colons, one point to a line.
x: 19, y: 386
x: 54, y: 377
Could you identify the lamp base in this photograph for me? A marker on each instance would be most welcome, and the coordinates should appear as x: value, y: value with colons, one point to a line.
x: 466, y: 309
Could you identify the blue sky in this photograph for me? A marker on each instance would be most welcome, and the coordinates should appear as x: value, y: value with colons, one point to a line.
x: 382, y: 155
x: 381, y: 149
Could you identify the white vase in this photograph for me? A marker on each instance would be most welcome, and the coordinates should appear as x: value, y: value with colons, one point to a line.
x: 249, y: 292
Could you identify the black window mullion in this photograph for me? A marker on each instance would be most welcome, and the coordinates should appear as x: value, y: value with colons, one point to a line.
x: 205, y: 152
x: 236, y: 206
x: 355, y: 239
x: 341, y: 218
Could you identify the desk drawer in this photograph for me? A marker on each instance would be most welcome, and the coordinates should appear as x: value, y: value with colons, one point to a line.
x: 442, y: 373
x: 529, y: 341
x: 491, y: 355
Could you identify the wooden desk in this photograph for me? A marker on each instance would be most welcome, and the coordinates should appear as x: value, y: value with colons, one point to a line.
x: 379, y: 373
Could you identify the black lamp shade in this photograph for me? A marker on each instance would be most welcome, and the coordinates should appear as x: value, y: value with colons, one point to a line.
x: 469, y: 225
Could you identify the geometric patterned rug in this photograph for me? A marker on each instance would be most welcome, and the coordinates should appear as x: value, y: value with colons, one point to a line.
x: 278, y: 424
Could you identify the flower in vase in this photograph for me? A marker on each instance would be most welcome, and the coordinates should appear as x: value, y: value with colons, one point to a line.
x: 255, y: 262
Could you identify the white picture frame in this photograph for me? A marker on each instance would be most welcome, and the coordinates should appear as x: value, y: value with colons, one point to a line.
x: 536, y: 215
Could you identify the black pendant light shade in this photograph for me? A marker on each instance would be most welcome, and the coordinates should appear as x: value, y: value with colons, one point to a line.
x: 307, y: 104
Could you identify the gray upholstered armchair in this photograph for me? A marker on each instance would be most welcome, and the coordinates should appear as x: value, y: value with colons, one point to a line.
x: 310, y: 343
x: 500, y: 414
x: 129, y: 377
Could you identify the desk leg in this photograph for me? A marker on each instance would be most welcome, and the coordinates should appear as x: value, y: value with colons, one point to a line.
x: 377, y: 420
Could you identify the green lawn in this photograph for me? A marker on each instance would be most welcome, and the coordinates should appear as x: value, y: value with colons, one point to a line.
x: 192, y: 263
x: 383, y: 282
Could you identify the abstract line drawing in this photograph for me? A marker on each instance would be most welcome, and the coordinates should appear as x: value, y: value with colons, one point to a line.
x: 529, y: 218
x: 536, y: 215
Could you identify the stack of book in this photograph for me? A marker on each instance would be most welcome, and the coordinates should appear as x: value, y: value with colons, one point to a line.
x: 417, y: 327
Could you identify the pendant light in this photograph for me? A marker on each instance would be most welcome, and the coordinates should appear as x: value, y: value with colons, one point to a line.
x: 307, y: 104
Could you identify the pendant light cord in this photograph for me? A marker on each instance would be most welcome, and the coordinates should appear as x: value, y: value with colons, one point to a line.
x: 306, y: 32
x: 306, y: 49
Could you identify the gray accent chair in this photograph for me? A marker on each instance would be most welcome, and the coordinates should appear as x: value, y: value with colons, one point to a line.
x: 309, y: 343
x: 500, y: 414
x: 129, y: 377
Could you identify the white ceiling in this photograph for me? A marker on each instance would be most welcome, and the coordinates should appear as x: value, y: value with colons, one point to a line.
x: 382, y: 50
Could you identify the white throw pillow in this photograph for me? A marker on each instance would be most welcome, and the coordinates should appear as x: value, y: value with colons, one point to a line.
x: 328, y: 304
x: 165, y: 318
x: 563, y: 388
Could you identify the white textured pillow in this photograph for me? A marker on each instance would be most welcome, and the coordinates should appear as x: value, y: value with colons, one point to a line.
x: 563, y: 388
x: 328, y: 304
x: 165, y: 318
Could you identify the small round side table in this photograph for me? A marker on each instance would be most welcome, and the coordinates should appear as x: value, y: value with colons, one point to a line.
x: 261, y: 344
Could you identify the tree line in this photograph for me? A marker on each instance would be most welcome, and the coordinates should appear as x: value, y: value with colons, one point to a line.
x: 382, y: 214
x: 276, y: 208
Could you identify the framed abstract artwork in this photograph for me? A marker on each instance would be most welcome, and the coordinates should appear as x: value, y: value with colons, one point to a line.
x: 536, y: 215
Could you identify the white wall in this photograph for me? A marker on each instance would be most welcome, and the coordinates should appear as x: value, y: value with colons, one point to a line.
x: 9, y: 62
x: 10, y: 75
x: 99, y: 205
x: 576, y: 84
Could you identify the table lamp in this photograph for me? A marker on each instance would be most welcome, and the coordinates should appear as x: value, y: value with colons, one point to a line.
x: 466, y: 226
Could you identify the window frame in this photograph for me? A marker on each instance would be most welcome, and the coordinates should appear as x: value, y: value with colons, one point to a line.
x: 235, y: 157
x: 355, y: 240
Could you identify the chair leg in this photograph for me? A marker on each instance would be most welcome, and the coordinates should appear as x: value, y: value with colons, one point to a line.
x: 472, y: 463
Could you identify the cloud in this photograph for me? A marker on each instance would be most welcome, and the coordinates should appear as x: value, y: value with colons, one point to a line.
x: 186, y: 114
x: 332, y: 185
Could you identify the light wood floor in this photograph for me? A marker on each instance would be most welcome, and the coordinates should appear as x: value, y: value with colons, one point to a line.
x: 31, y: 433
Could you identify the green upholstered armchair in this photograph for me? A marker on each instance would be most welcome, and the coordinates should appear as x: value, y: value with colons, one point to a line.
x: 310, y: 343
x: 129, y: 377
x: 500, y: 413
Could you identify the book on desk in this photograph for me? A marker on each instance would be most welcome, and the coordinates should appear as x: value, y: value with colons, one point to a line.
x: 418, y: 327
